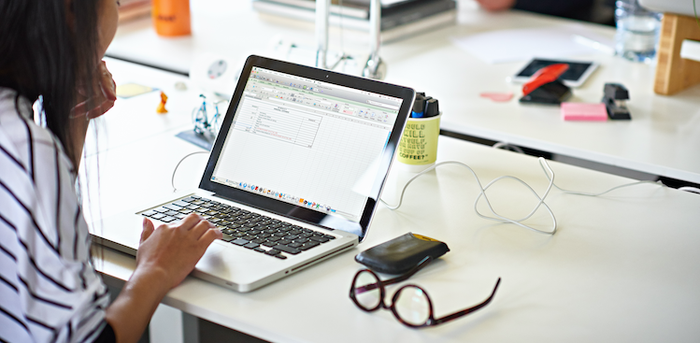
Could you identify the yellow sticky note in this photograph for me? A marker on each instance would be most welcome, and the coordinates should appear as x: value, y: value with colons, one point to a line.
x: 128, y: 90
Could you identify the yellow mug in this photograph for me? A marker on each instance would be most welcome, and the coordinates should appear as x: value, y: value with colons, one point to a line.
x: 418, y: 145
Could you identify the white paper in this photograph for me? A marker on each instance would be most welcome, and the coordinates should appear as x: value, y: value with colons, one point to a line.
x: 524, y: 44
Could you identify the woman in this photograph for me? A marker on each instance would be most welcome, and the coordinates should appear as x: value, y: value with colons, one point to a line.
x: 50, y: 53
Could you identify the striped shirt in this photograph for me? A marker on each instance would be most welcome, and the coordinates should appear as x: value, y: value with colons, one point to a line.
x: 49, y: 290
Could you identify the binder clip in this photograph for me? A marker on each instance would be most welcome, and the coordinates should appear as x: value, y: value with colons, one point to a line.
x: 615, y: 98
x: 545, y: 88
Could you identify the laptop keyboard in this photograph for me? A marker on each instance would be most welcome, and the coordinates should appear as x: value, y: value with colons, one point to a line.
x: 247, y: 229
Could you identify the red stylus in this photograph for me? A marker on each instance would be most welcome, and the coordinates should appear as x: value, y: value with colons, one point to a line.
x: 544, y: 76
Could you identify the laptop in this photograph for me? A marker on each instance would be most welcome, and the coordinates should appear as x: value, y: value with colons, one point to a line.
x: 293, y: 178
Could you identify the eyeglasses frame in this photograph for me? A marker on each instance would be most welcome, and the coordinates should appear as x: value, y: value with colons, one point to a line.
x: 431, y: 321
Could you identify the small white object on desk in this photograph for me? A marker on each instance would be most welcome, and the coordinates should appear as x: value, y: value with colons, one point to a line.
x: 690, y: 49
x: 215, y: 73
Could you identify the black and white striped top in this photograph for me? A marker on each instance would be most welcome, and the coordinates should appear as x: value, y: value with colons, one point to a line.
x: 49, y: 290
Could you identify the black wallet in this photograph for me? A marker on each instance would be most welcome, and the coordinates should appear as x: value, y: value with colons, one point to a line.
x: 402, y: 253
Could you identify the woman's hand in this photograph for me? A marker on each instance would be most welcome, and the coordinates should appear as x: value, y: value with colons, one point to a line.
x: 165, y: 256
x: 173, y: 250
x: 103, y: 97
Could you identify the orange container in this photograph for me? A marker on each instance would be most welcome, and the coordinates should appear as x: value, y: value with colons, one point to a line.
x: 171, y: 17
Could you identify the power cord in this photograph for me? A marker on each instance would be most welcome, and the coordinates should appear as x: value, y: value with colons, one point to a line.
x: 689, y: 189
x: 549, y: 173
x: 172, y: 178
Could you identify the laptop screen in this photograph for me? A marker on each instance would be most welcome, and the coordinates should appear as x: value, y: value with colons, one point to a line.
x: 306, y: 147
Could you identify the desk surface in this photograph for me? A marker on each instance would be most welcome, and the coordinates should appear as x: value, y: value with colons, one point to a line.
x: 623, y: 267
x: 662, y: 138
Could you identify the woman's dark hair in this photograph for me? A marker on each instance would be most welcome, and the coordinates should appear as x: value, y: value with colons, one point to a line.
x: 47, y: 50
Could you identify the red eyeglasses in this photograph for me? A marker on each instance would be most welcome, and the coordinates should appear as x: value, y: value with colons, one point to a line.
x: 411, y: 304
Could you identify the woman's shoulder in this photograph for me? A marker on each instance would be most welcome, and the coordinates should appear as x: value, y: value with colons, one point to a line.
x: 20, y: 137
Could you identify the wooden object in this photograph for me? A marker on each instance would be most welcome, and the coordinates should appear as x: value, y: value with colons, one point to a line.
x: 673, y: 73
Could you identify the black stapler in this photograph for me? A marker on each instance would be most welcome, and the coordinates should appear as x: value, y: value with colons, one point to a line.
x: 615, y: 97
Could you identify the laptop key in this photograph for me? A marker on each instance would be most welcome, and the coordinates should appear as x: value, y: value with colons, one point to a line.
x: 259, y: 249
x: 269, y: 244
x: 308, y: 245
x: 173, y: 207
x: 157, y: 216
x: 227, y: 238
x: 251, y: 245
x: 273, y: 251
x: 149, y: 213
x: 240, y: 241
x: 319, y: 239
x: 287, y: 249
x: 280, y: 256
x: 167, y: 219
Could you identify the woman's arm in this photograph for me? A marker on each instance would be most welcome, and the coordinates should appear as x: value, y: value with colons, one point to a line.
x: 165, y: 257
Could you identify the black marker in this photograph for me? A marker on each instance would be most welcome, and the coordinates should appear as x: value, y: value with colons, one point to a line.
x: 432, y: 109
x: 418, y: 106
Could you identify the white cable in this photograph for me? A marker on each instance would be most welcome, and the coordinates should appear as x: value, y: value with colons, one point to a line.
x: 172, y: 179
x: 496, y: 217
x: 690, y: 189
x: 506, y: 146
x: 607, y: 191
x: 549, y: 173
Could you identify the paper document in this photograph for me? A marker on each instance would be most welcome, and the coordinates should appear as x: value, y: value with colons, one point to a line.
x: 523, y: 44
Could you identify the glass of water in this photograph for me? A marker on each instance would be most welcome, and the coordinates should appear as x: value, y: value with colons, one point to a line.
x: 637, y: 31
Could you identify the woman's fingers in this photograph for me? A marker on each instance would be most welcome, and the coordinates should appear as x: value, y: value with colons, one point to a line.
x: 108, y: 86
x: 200, y: 228
x: 105, y: 94
x: 210, y: 236
x: 147, y: 229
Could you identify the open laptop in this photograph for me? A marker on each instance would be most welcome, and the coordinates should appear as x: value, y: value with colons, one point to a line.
x: 294, y: 176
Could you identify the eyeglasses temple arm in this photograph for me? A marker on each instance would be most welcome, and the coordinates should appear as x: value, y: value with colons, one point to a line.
x: 469, y: 310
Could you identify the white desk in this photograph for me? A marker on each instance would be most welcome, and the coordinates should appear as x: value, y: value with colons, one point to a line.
x: 662, y: 138
x: 622, y: 268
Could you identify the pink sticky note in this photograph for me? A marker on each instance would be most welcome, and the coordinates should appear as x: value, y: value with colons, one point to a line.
x: 498, y: 97
x: 583, y: 111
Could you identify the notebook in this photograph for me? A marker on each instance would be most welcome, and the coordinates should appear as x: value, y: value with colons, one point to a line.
x: 293, y: 178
